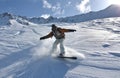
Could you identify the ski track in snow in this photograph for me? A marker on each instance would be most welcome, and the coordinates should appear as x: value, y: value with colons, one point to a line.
x: 23, y: 55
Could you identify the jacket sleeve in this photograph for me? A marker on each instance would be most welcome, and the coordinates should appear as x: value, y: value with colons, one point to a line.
x: 68, y: 30
x: 47, y: 36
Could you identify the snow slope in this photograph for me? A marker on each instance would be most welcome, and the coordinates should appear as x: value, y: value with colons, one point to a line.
x: 23, y: 55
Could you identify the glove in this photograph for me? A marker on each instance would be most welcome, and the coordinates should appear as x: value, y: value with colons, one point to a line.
x: 74, y: 30
x: 71, y: 30
x: 42, y: 38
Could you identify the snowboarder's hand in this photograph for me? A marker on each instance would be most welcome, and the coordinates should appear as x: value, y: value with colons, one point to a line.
x: 72, y: 30
x: 42, y: 38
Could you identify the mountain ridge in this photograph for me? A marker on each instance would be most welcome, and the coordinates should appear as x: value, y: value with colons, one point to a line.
x: 110, y: 11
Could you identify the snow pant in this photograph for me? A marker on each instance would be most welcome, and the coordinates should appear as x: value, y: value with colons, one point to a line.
x: 55, y: 44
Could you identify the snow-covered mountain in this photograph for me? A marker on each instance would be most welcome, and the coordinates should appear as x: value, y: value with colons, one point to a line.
x: 5, y: 19
x: 111, y: 11
x: 96, y: 43
x: 40, y: 20
x: 23, y: 55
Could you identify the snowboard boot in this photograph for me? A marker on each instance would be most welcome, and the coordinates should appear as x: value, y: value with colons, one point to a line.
x: 62, y: 54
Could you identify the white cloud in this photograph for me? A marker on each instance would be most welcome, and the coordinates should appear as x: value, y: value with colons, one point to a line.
x: 84, y: 6
x: 59, y: 12
x: 69, y: 3
x: 56, y: 9
x: 46, y: 4
x: 45, y: 16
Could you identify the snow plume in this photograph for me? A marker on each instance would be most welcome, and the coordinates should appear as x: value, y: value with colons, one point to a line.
x: 84, y: 6
x: 42, y: 50
x: 72, y: 52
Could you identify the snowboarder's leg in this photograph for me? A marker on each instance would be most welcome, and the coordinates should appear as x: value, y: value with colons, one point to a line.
x: 54, y: 47
x: 62, y: 49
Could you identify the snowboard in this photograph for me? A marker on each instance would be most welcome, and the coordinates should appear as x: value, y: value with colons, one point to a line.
x: 68, y: 57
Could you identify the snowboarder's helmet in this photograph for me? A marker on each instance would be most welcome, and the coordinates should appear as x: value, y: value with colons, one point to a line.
x: 53, y: 26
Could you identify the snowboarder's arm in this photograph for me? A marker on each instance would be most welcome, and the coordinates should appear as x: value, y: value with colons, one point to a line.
x: 68, y: 30
x: 47, y: 36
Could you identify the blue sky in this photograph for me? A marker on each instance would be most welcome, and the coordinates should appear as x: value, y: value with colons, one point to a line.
x: 56, y: 8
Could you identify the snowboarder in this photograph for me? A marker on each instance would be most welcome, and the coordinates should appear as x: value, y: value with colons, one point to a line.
x: 59, y: 34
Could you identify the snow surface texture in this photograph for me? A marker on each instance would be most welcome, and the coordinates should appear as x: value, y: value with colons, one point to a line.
x: 23, y: 55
